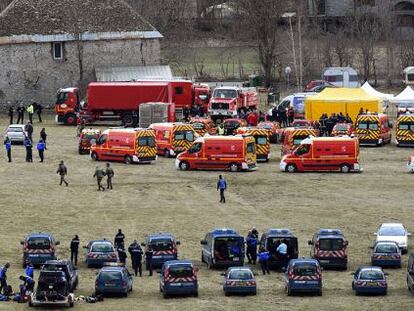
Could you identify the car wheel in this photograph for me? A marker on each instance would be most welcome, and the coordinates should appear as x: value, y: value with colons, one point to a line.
x: 70, y: 119
x: 184, y: 166
x: 291, y: 168
x: 30, y: 303
x: 125, y: 294
x: 233, y: 167
x: 195, y: 294
x: 127, y: 119
x: 345, y: 168
x: 128, y: 160
x: 94, y: 156
x: 226, y: 294
x: 71, y: 304
x: 288, y: 291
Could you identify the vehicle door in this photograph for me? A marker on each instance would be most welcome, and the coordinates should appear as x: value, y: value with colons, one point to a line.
x: 304, y: 159
x: 313, y: 246
x: 293, y: 250
x: 102, y: 147
x: 197, y: 154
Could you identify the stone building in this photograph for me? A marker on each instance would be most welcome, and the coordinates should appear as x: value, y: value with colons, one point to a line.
x: 46, y: 45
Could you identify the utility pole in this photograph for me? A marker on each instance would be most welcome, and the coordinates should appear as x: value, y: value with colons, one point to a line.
x: 292, y: 38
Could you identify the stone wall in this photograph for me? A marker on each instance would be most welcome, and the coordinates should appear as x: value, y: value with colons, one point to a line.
x: 29, y: 73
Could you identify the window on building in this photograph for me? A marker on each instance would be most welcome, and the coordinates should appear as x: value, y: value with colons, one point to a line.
x: 57, y: 50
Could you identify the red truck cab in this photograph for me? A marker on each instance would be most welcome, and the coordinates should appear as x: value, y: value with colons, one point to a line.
x: 323, y: 154
x: 67, y: 105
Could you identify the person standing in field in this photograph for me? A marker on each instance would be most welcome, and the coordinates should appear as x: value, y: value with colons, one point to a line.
x: 62, y: 171
x: 8, y: 144
x: 43, y: 136
x: 20, y: 114
x: 10, y: 114
x: 41, y: 149
x: 222, y: 186
x: 109, y: 172
x: 74, y: 249
x: 99, y: 174
x: 29, y: 152
x: 30, y: 111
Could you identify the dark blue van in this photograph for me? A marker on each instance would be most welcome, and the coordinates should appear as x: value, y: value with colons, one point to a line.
x: 164, y: 247
x: 303, y: 275
x: 178, y: 277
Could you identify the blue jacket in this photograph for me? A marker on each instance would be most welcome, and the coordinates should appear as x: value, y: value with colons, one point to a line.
x: 8, y: 145
x: 29, y: 271
x: 221, y: 184
x: 27, y: 143
x: 40, y: 146
x: 3, y: 275
x: 251, y: 241
x: 263, y: 256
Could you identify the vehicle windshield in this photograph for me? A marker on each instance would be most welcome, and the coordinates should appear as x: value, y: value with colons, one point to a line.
x: 341, y: 127
x: 406, y: 126
x: 62, y: 97
x: 198, y: 125
x: 386, y: 248
x: 368, y: 125
x: 371, y: 275
x: 297, y: 140
x: 102, y: 248
x: 240, y: 275
x: 223, y: 106
x: 261, y: 140
x: 391, y: 231
x: 180, y: 271
x: 110, y: 276
x: 228, y: 248
x: 251, y: 148
x: 184, y: 135
x: 221, y: 93
x: 15, y: 130
x: 305, y: 269
x: 53, y: 267
x: 162, y: 245
x: 231, y: 124
x: 330, y: 244
x: 146, y: 141
x: 38, y: 243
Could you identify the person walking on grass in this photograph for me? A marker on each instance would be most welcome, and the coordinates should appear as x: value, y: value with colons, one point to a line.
x: 43, y: 136
x: 109, y: 172
x: 62, y: 171
x: 8, y: 144
x: 222, y: 186
x: 99, y: 174
x: 29, y: 151
x: 41, y: 149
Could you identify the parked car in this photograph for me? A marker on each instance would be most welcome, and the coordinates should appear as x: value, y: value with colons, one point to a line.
x: 311, y: 85
x: 16, y: 133
x: 113, y: 278
x: 239, y: 280
x: 178, y: 277
x: 410, y: 273
x: 369, y: 280
x: 71, y: 273
x: 98, y: 252
x: 386, y: 254
x: 38, y: 248
x: 303, y: 275
x: 394, y: 232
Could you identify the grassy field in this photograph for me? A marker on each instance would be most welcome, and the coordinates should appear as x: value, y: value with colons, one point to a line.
x: 157, y: 197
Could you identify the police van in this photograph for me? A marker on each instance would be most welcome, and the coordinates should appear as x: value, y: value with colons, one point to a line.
x: 270, y: 241
x: 178, y: 277
x: 164, y: 248
x: 329, y: 247
x: 222, y: 248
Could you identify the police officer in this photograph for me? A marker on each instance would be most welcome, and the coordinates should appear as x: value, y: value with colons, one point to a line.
x: 8, y: 144
x: 39, y: 110
x: 148, y: 259
x: 29, y: 152
x: 29, y: 130
x: 62, y: 171
x: 282, y: 253
x: 3, y: 278
x: 119, y: 240
x: 43, y: 136
x: 122, y: 255
x: 28, y: 284
x: 41, y: 149
x: 136, y: 252
x: 20, y: 114
x: 10, y: 114
x: 99, y: 174
x: 251, y: 250
x: 222, y: 186
x: 109, y: 172
x: 264, y: 260
x: 29, y: 271
x: 74, y: 249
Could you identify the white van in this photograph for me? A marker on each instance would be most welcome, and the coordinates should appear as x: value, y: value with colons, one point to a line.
x: 341, y: 76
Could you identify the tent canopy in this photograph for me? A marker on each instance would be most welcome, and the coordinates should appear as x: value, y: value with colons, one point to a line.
x: 341, y: 100
x: 371, y: 91
x: 406, y: 95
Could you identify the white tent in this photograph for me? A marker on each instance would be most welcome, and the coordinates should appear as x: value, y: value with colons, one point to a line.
x: 373, y: 92
x: 405, y: 98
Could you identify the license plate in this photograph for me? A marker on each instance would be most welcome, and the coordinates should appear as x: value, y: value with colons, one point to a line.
x: 235, y: 258
x: 156, y: 257
x: 241, y: 284
x: 109, y: 284
x: 372, y: 284
x: 175, y: 284
x: 324, y: 261
x: 300, y: 282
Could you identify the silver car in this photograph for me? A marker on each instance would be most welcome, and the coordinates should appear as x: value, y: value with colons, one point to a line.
x: 16, y: 133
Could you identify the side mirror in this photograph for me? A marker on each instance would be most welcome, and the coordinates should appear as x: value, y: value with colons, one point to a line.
x: 57, y: 242
x: 21, y: 242
x: 310, y: 242
x: 203, y: 242
x: 386, y: 273
x: 178, y: 243
x: 346, y: 243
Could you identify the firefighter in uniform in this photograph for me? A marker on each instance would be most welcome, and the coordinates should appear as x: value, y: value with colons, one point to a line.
x: 136, y: 252
x: 99, y: 174
x: 109, y: 172
x: 62, y: 171
x: 119, y: 240
x: 74, y: 249
x: 148, y: 259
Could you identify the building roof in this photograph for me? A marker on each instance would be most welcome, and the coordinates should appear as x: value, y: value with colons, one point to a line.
x: 70, y: 17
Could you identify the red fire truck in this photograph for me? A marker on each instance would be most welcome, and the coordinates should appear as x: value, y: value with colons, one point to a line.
x: 226, y: 102
x: 111, y: 101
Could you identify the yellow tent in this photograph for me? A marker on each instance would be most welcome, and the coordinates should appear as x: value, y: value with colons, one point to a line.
x: 335, y: 100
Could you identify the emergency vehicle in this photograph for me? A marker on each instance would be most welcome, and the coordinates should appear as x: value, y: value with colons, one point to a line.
x: 127, y: 145
x: 386, y: 254
x: 373, y: 129
x: 262, y: 140
x: 173, y: 138
x: 203, y: 126
x: 369, y: 280
x: 303, y: 275
x: 87, y: 138
x: 222, y: 248
x: 231, y: 125
x: 239, y: 280
x: 275, y: 131
x: 323, y: 154
x: 293, y: 137
x: 405, y: 130
x: 112, y: 279
x: 178, y: 277
x: 38, y: 248
x: 99, y: 252
x: 164, y: 248
x: 302, y: 124
x: 271, y: 239
x: 330, y: 248
x: 233, y: 153
x: 343, y: 129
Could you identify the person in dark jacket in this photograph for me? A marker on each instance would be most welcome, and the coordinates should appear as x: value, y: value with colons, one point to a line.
x: 29, y: 152
x: 41, y: 149
x: 99, y: 174
x: 8, y: 145
x: 43, y: 136
x: 10, y: 114
x: 29, y: 130
x: 148, y: 259
x: 62, y: 171
x: 74, y: 249
x: 264, y: 260
x: 251, y: 248
x: 119, y: 240
x: 3, y: 278
x: 122, y: 255
x: 39, y: 110
x: 222, y: 186
x: 28, y: 284
x: 136, y: 252
x: 20, y: 114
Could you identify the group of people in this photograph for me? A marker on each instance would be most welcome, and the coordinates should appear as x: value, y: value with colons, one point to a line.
x: 25, y: 288
x: 326, y: 124
x: 28, y: 144
x: 31, y: 109
x: 284, y: 117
